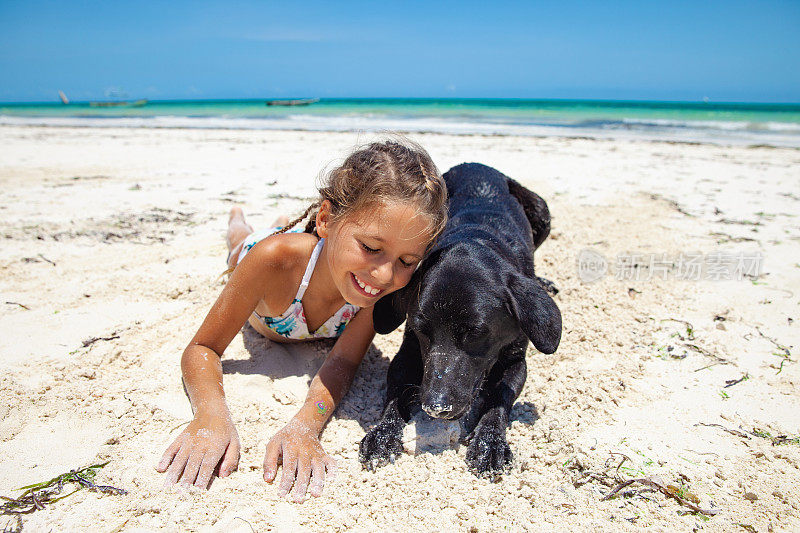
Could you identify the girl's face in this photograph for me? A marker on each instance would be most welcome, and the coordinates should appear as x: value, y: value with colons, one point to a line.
x: 375, y: 251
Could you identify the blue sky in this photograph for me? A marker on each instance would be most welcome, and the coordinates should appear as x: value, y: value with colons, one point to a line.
x: 727, y: 51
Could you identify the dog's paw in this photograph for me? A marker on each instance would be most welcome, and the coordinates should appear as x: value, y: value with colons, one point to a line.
x: 488, y: 453
x: 548, y: 286
x: 381, y: 445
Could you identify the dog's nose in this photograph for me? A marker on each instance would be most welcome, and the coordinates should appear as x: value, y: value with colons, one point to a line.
x: 438, y: 410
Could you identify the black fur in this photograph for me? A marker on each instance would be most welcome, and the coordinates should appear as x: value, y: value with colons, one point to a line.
x: 471, y: 308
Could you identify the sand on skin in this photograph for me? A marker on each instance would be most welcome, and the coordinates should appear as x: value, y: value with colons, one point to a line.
x: 134, y: 219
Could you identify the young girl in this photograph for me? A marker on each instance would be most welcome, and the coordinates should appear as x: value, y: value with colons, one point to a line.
x: 376, y: 216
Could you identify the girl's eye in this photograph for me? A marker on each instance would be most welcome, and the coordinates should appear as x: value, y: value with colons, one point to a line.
x: 406, y: 264
x: 368, y: 249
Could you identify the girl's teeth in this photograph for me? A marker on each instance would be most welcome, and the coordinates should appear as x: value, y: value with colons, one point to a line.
x: 367, y: 288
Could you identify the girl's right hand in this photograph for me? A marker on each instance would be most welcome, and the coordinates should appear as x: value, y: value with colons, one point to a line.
x: 197, y: 451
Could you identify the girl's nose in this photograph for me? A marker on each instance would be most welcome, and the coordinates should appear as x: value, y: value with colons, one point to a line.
x: 383, y: 273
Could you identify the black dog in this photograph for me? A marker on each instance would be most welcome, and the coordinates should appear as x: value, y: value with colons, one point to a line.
x: 472, y: 306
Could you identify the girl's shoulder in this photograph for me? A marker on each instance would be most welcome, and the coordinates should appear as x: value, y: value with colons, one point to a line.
x: 284, y: 252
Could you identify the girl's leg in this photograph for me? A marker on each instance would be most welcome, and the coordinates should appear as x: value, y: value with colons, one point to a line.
x: 238, y: 229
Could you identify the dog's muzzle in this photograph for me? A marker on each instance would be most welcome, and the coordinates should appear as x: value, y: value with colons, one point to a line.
x: 438, y: 410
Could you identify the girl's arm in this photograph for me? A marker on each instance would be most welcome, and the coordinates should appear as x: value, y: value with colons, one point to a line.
x: 211, y: 436
x: 297, y: 445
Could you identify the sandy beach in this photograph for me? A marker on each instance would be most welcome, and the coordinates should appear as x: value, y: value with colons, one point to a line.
x: 678, y: 266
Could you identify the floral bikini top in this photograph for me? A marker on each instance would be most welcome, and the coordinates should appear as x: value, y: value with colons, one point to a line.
x: 292, y: 323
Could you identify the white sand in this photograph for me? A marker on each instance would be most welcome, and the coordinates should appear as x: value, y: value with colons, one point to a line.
x: 118, y: 233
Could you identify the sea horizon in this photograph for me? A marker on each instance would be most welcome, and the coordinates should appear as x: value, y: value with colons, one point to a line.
x: 703, y: 100
x: 706, y: 121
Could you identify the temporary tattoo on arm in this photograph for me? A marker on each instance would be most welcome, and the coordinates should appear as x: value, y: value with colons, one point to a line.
x: 321, y: 407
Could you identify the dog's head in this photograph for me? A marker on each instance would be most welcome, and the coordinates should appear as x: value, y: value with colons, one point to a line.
x: 464, y: 306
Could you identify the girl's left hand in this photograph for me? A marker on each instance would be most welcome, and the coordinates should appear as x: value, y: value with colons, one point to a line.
x: 305, y: 463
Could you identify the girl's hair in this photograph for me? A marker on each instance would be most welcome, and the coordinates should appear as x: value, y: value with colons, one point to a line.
x: 393, y: 170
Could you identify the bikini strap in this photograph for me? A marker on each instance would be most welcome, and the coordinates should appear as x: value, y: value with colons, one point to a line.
x: 309, y: 270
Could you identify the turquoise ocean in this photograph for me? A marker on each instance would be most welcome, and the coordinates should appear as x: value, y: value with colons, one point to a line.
x: 707, y: 122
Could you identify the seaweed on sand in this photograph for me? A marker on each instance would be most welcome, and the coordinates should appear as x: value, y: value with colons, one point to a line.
x: 616, y: 482
x: 39, y: 495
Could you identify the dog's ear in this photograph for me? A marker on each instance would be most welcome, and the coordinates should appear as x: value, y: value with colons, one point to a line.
x: 391, y: 310
x: 537, y: 313
x: 535, y: 208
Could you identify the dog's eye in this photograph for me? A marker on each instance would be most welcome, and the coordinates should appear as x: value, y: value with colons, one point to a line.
x: 468, y: 334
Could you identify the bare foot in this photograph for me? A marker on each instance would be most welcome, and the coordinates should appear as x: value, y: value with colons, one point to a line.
x: 238, y: 229
x: 236, y: 213
x: 280, y: 222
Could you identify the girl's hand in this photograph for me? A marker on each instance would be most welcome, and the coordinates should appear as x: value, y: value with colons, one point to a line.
x: 305, y: 463
x: 198, y: 450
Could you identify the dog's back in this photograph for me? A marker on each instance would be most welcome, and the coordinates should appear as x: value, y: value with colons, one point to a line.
x: 488, y: 205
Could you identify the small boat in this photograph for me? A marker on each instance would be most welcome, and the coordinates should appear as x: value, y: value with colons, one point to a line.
x: 306, y: 101
x: 136, y: 103
x: 64, y: 99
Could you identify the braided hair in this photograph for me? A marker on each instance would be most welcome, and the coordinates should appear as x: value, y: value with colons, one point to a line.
x: 393, y: 170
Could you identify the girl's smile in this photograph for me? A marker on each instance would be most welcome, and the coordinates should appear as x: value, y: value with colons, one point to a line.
x: 367, y: 289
